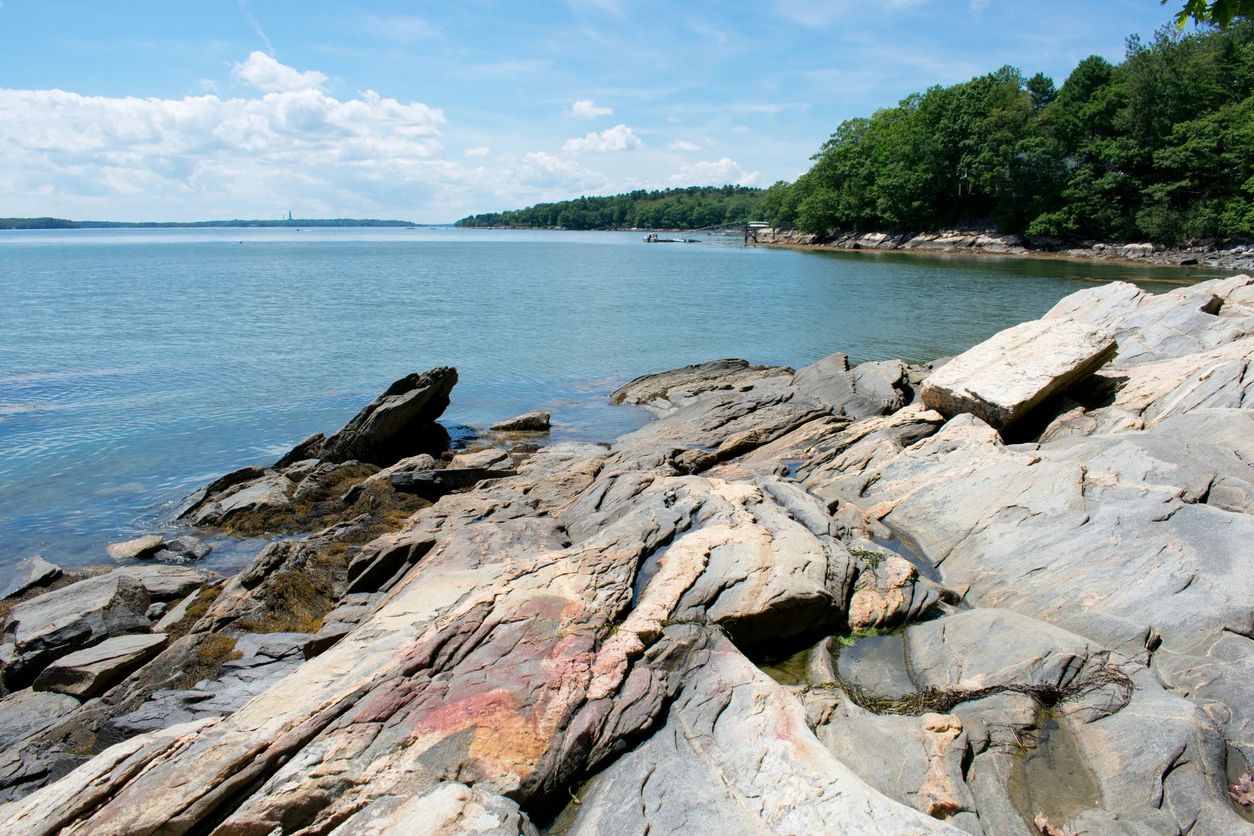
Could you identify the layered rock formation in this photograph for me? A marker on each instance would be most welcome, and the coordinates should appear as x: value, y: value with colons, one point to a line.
x: 795, y: 602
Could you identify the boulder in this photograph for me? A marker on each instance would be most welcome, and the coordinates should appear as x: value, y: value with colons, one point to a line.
x: 30, y: 573
x: 88, y: 673
x: 868, y: 390
x: 531, y: 422
x: 271, y: 491
x: 166, y: 583
x: 1004, y: 377
x: 888, y: 593
x: 398, y: 423
x: 140, y: 547
x: 43, y: 629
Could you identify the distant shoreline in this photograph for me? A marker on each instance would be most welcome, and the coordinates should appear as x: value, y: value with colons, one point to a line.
x: 293, y: 223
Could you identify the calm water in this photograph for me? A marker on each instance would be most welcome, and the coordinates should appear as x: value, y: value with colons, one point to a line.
x: 136, y: 365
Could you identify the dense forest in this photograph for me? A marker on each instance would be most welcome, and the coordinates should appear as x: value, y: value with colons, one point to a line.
x: 693, y: 208
x: 1159, y: 147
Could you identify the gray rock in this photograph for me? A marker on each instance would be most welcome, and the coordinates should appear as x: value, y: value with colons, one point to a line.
x: 450, y: 809
x: 264, y: 661
x: 1152, y: 327
x: 183, y: 549
x: 271, y: 491
x: 43, y: 629
x: 173, y: 615
x: 1006, y: 376
x: 396, y: 424
x: 662, y: 388
x: 868, y: 390
x: 140, y: 547
x: 433, y: 484
x: 28, y: 712
x: 531, y: 422
x: 489, y: 458
x: 310, y: 448
x: 30, y: 573
x: 88, y: 673
x: 736, y: 756
x: 166, y: 583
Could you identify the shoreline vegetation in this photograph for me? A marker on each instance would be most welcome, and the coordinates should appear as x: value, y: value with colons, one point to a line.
x: 1156, y: 152
x: 62, y: 223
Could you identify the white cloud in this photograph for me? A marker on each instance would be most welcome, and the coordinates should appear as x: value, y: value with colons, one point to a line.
x: 718, y: 173
x: 617, y: 138
x: 683, y: 145
x: 265, y: 73
x: 201, y: 156
x: 481, y: 151
x: 588, y: 109
x: 543, y: 176
x: 979, y: 5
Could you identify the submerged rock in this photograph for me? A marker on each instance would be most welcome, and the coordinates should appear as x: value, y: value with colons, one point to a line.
x: 140, y: 547
x: 531, y: 422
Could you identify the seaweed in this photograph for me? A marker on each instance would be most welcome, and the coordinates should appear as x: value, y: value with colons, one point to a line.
x: 1104, y: 676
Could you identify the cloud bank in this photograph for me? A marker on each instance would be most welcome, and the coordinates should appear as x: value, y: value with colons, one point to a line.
x: 290, y: 146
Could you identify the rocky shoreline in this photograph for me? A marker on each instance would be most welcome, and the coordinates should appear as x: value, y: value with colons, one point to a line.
x: 1006, y: 593
x: 990, y: 242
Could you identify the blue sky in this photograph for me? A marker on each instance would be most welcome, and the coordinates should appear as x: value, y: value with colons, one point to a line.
x: 430, y: 111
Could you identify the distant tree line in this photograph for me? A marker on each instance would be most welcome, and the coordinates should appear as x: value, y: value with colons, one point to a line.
x: 37, y: 223
x: 691, y: 208
x: 1159, y: 147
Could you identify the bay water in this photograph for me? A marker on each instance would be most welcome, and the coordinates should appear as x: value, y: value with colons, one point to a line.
x: 136, y: 365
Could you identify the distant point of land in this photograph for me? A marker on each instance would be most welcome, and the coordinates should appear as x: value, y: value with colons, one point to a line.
x: 61, y: 223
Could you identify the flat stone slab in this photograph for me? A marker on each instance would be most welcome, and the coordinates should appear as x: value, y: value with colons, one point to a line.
x: 88, y: 673
x: 31, y: 572
x: 531, y: 422
x: 482, y: 458
x: 1003, y: 378
x: 56, y: 623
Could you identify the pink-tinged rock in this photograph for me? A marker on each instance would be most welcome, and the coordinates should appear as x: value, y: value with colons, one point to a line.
x: 1004, y: 377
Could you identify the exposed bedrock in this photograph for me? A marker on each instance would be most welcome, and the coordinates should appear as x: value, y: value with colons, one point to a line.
x: 795, y: 602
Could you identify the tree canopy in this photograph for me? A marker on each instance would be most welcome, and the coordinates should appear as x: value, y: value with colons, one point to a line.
x: 1219, y: 13
x: 1160, y: 147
